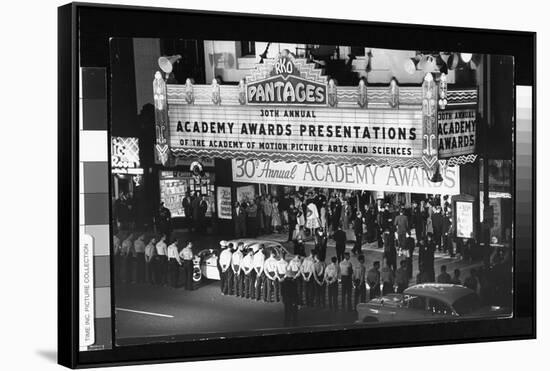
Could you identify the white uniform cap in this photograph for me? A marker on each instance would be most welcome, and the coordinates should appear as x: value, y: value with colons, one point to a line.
x: 223, y: 243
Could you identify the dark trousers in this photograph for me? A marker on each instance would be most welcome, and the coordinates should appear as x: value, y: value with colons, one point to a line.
x: 401, y: 239
x: 229, y: 285
x: 419, y: 232
x: 238, y: 283
x: 140, y: 267
x: 358, y: 243
x: 320, y: 294
x: 409, y: 262
x: 449, y: 245
x: 223, y: 281
x: 391, y: 258
x: 322, y: 251
x: 173, y: 268
x: 249, y: 281
x: 161, y: 270
x: 291, y: 314
x: 267, y: 223
x: 259, y: 286
x: 188, y: 274
x: 346, y: 293
x: 273, y: 290
x: 269, y: 289
x: 309, y: 291
x: 437, y: 239
x: 277, y: 290
x: 374, y: 291
x: 291, y: 229
x: 300, y: 289
x: 360, y: 293
x: 340, y: 250
x: 333, y: 296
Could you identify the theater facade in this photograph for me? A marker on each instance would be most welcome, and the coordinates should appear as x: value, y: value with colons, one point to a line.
x: 287, y: 125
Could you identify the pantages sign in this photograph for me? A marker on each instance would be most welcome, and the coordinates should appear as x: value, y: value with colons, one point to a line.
x: 286, y: 110
x: 285, y: 85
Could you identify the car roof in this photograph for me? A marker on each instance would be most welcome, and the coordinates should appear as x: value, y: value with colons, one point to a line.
x: 445, y: 292
x: 253, y: 241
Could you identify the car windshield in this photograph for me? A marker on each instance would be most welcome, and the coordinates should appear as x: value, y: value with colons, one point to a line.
x: 467, y: 304
x: 415, y: 302
x: 275, y: 248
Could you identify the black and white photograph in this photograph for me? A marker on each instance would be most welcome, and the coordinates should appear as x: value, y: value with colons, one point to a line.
x: 275, y: 185
x: 259, y: 186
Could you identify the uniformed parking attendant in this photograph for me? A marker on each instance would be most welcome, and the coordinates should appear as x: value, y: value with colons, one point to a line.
x: 259, y: 282
x: 225, y: 261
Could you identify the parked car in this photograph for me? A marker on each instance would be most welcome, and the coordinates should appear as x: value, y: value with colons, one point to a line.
x: 428, y: 302
x: 205, y: 262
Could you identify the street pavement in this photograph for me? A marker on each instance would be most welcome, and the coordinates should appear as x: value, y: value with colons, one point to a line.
x: 147, y: 313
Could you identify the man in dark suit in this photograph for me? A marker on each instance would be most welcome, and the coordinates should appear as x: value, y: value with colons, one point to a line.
x: 289, y: 293
x: 340, y: 238
x: 438, y: 224
x: 292, y: 221
x: 186, y: 204
x: 428, y: 258
x: 358, y: 230
x: 402, y: 225
x: 373, y: 280
x: 417, y: 220
x: 239, y: 216
x: 203, y: 208
x: 195, y: 210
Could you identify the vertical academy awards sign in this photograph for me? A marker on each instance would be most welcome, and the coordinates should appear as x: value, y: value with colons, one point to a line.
x: 457, y: 124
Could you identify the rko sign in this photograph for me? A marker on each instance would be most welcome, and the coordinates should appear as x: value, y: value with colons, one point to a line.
x: 285, y: 85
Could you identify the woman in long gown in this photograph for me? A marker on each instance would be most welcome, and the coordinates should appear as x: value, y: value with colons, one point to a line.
x: 312, y: 218
x: 323, y: 217
x: 301, y: 219
x: 275, y: 216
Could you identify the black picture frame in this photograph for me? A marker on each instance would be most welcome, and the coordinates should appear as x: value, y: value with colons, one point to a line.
x: 84, y: 31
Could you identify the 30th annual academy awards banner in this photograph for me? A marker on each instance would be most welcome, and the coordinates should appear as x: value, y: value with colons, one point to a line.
x: 372, y: 178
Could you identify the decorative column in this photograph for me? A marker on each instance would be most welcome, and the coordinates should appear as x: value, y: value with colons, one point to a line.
x: 393, y: 92
x: 362, y: 99
x: 332, y: 93
x: 189, y: 92
x: 161, y: 118
x: 443, y: 91
x: 242, y: 92
x: 429, y: 122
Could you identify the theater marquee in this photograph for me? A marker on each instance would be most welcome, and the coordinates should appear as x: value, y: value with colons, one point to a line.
x: 312, y: 134
x: 286, y: 110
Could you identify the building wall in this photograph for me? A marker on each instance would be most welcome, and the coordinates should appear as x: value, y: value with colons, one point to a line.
x: 146, y: 54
